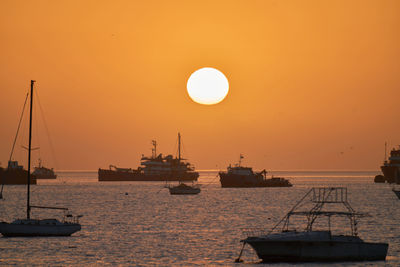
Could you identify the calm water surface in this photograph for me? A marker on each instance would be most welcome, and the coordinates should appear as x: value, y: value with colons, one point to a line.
x: 139, y: 223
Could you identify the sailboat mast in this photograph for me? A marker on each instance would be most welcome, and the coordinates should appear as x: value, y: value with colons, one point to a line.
x: 179, y: 146
x: 28, y: 207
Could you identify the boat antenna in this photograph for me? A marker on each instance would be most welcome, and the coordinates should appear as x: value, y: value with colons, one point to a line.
x: 28, y: 207
x: 179, y: 146
x: 154, y: 150
x: 240, y: 159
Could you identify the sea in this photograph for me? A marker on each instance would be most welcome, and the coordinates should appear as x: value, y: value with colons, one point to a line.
x: 141, y: 224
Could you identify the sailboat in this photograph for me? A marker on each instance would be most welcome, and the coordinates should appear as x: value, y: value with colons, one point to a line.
x: 39, y: 227
x: 182, y: 188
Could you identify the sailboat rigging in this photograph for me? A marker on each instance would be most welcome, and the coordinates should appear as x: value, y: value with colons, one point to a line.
x: 15, y: 173
x: 182, y: 188
x: 39, y: 227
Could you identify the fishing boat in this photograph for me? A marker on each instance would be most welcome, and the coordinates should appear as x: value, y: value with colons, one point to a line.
x: 42, y: 172
x: 311, y: 245
x: 184, y: 189
x: 239, y: 176
x: 39, y: 227
x: 153, y: 168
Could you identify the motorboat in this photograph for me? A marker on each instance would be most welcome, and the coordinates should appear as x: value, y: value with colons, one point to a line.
x: 184, y: 189
x: 288, y: 244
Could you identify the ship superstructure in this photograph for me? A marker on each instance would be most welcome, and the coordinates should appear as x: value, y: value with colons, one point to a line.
x: 391, y: 167
x: 42, y: 172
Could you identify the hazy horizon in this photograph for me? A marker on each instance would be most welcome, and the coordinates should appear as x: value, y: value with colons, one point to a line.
x: 313, y: 84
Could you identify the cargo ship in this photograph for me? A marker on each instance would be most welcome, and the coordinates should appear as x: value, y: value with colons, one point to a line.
x: 239, y: 176
x: 391, y: 167
x: 154, y: 168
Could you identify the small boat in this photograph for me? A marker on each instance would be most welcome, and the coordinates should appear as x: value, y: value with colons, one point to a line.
x: 39, y: 227
x: 309, y: 245
x: 42, y: 172
x: 184, y: 189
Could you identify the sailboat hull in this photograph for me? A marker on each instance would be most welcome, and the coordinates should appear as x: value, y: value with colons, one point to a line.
x: 49, y: 227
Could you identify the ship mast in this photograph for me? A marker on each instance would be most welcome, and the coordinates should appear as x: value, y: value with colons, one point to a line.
x: 28, y: 207
x: 240, y: 159
x: 179, y: 146
x: 154, y: 150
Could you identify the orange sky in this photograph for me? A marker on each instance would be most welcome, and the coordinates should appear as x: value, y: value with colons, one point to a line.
x: 313, y: 84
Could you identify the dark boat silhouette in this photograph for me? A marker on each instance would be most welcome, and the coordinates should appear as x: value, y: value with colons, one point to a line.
x: 154, y: 168
x: 183, y: 189
x: 239, y: 176
x: 42, y: 172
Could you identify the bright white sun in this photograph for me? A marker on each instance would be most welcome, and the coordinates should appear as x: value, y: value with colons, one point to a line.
x: 207, y: 86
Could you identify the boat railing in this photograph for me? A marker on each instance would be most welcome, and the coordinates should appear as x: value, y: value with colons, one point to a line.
x: 329, y: 194
x: 67, y: 218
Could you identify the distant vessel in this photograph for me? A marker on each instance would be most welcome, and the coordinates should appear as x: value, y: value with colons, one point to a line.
x: 239, y: 176
x: 37, y: 227
x: 15, y: 174
x: 391, y: 168
x: 155, y: 168
x: 290, y: 245
x: 184, y: 189
x: 42, y: 172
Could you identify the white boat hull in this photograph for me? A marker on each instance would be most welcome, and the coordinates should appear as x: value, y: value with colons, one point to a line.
x: 25, y: 228
x: 317, y: 251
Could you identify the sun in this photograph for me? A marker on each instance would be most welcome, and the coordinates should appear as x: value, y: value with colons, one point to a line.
x: 207, y: 86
